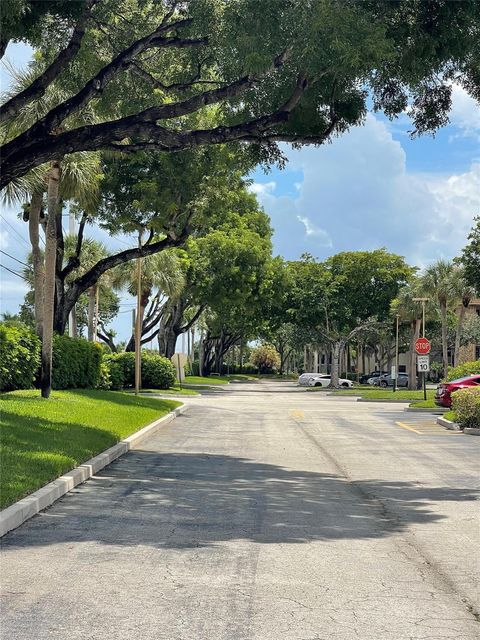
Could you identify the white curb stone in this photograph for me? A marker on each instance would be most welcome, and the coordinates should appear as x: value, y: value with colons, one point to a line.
x: 448, y: 424
x: 16, y: 514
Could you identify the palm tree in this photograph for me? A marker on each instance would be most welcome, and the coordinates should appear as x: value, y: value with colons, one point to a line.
x: 60, y: 183
x: 161, y: 272
x: 91, y: 252
x: 437, y: 285
x: 409, y: 313
x: 461, y: 291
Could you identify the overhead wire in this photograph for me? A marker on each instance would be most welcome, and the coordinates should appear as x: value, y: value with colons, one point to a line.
x: 15, y: 231
x: 14, y: 272
x: 13, y: 258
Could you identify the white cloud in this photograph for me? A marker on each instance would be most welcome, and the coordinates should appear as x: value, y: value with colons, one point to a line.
x: 3, y: 239
x: 264, y: 188
x: 356, y: 194
x: 465, y: 112
x: 311, y: 229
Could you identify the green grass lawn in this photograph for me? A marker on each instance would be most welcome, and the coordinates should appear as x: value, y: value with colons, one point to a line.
x: 42, y: 439
x: 210, y: 380
x: 387, y: 394
x: 450, y: 415
x: 425, y: 404
x: 172, y: 391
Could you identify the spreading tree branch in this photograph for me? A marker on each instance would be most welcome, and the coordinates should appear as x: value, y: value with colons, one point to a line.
x: 39, y: 85
x: 74, y: 261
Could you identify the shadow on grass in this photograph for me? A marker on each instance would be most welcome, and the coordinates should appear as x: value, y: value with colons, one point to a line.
x: 37, y: 450
x: 181, y: 501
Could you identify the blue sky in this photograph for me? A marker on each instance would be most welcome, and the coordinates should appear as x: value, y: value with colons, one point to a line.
x: 372, y: 187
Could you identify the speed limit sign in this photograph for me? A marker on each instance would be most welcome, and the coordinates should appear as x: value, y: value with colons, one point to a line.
x: 423, y: 364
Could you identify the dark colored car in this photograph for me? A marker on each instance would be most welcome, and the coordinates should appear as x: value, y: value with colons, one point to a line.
x: 366, y: 376
x: 387, y: 381
x: 443, y: 396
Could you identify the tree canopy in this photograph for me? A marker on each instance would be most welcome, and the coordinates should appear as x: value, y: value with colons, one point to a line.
x: 173, y: 76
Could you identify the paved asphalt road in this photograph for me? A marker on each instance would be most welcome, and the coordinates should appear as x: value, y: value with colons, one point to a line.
x: 264, y: 513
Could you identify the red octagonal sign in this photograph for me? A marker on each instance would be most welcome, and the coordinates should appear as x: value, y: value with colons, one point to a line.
x: 422, y: 346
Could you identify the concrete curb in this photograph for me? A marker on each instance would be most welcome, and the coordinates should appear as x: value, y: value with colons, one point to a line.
x: 17, y: 513
x: 472, y: 431
x: 393, y: 401
x: 438, y: 411
x: 448, y: 424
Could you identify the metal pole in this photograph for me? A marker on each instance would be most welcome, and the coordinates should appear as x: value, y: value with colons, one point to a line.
x: 396, y: 357
x: 179, y: 371
x: 138, y: 325
x: 423, y: 373
x: 97, y: 303
x: 71, y: 231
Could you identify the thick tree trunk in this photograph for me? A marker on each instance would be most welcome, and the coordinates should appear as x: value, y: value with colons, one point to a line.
x: 73, y: 314
x: 49, y: 284
x: 91, y: 312
x: 170, y: 329
x: 337, y: 354
x: 37, y: 262
x: 443, y: 314
x: 458, y: 334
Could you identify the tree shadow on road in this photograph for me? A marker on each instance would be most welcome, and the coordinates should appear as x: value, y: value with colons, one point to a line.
x: 178, y: 500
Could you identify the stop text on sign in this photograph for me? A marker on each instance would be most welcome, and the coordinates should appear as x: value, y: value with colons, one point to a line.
x: 422, y: 346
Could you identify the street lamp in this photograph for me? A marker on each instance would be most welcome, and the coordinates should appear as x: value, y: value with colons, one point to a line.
x: 423, y: 301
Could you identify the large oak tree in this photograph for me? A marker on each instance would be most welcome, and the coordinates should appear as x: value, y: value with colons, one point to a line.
x: 298, y: 71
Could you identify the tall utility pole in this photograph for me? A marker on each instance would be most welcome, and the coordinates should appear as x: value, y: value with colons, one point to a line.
x: 424, y: 375
x: 396, y: 357
x: 138, y: 324
x: 71, y: 318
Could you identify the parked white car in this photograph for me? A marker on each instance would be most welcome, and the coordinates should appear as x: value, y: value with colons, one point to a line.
x: 320, y: 380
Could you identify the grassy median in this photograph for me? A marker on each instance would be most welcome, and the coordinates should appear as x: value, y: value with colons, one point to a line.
x: 41, y: 439
x: 383, y: 394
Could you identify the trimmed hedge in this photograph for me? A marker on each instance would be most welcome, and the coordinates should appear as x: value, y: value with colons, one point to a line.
x: 76, y: 363
x: 157, y: 372
x: 466, y: 406
x: 19, y: 356
x: 463, y: 370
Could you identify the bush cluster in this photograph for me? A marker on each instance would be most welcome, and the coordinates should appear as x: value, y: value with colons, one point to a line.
x: 76, y: 363
x: 19, y: 356
x: 157, y: 372
x: 466, y: 405
x: 463, y: 370
x: 265, y: 358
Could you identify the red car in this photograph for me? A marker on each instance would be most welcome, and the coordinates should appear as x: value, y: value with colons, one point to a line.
x: 443, y: 397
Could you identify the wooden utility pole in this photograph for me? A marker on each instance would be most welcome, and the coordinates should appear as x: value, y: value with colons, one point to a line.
x: 138, y: 324
x: 97, y: 303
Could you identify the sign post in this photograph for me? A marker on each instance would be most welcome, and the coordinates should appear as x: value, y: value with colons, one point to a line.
x: 422, y: 348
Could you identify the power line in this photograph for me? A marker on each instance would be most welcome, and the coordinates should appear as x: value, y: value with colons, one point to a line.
x: 14, y: 272
x: 15, y: 231
x: 13, y: 258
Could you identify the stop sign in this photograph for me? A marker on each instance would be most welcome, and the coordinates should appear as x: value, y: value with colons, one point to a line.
x: 422, y: 346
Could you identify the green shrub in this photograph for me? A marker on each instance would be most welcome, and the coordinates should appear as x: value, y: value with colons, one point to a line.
x: 157, y: 372
x: 76, y: 363
x: 463, y: 370
x: 466, y: 406
x: 104, y: 381
x: 266, y: 358
x: 121, y: 369
x: 19, y: 356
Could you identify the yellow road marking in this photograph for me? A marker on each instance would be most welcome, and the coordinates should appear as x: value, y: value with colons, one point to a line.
x: 297, y: 413
x: 426, y: 426
x: 405, y: 426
